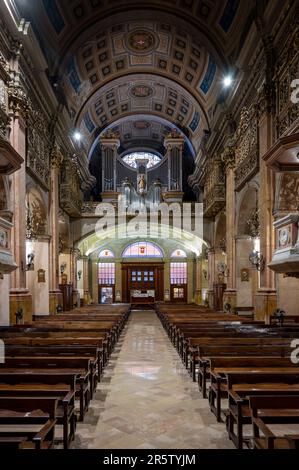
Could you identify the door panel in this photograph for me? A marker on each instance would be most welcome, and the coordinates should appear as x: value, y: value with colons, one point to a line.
x: 141, y: 276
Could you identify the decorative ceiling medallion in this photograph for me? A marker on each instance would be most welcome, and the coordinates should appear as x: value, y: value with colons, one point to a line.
x: 141, y: 125
x: 141, y: 41
x: 141, y: 91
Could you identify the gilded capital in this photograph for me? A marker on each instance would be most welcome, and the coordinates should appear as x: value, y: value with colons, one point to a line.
x: 56, y: 157
x: 18, y: 101
x: 228, y: 157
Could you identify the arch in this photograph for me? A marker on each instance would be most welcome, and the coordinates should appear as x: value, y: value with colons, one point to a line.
x: 178, y: 254
x: 142, y: 250
x: 37, y: 213
x: 106, y: 253
x: 92, y: 241
x: 247, y: 206
x: 152, y: 117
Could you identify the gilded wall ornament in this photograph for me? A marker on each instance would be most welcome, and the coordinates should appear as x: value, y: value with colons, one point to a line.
x: 141, y: 41
x: 141, y: 91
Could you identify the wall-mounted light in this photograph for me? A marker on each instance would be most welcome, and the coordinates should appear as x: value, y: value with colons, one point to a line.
x: 79, y: 275
x: 257, y: 260
x: 30, y: 259
x: 62, y: 267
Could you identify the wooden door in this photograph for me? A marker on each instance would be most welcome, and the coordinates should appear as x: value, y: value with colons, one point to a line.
x: 178, y: 293
x: 144, y: 277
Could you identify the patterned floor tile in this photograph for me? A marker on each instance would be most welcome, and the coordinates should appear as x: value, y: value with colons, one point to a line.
x: 146, y: 399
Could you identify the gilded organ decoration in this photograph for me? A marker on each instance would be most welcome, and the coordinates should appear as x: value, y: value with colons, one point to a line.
x: 4, y: 81
x: 38, y: 147
x: 36, y: 222
x: 70, y: 193
x: 287, y: 71
x: 214, y: 189
x: 247, y: 151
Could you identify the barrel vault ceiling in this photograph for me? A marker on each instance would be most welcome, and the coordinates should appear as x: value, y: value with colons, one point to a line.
x: 111, y: 60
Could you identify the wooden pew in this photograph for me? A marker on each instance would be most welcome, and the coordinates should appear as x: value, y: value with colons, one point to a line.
x: 222, y: 364
x: 51, y: 376
x: 237, y: 347
x: 92, y: 352
x: 278, y: 409
x: 29, y: 412
x: 273, y: 381
x: 63, y: 392
x: 56, y: 362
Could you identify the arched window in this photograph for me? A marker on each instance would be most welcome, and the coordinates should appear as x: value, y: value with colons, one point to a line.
x: 152, y: 159
x: 142, y: 250
x: 106, y: 254
x: 178, y: 254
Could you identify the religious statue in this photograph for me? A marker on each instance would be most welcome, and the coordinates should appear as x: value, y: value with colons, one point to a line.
x: 141, y: 183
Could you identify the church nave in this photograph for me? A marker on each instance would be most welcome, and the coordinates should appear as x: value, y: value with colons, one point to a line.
x: 146, y: 399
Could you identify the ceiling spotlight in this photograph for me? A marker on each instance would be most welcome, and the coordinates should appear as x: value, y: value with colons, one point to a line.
x: 77, y: 136
x: 227, y: 81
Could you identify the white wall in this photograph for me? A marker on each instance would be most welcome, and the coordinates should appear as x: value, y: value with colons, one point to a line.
x: 39, y: 290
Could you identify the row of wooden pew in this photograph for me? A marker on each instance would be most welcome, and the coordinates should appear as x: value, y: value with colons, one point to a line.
x: 243, y: 367
x: 51, y: 370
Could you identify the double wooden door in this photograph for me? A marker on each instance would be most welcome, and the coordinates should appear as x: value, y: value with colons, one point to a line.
x: 144, y: 277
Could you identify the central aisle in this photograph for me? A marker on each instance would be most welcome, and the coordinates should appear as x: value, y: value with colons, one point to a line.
x: 146, y: 398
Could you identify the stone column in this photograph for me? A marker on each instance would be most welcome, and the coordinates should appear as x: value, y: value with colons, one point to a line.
x: 85, y: 276
x: 230, y: 294
x: 109, y: 145
x: 265, y: 301
x: 198, y: 280
x: 20, y: 297
x: 75, y: 256
x: 211, y: 276
x: 118, y: 280
x: 95, y: 281
x: 55, y: 295
x: 190, y: 281
x: 167, y: 286
x: 174, y: 144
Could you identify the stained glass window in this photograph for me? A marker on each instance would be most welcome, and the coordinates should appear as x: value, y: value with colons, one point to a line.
x: 106, y: 273
x: 178, y: 254
x: 178, y: 273
x: 142, y: 250
x: 130, y: 159
x: 106, y: 254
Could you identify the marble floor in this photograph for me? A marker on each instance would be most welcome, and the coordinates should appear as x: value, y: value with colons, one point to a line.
x: 146, y: 399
